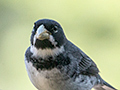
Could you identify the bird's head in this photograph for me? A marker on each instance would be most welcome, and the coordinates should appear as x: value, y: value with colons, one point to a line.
x: 47, y: 35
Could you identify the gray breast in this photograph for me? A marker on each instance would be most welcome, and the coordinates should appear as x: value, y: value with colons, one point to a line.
x: 55, y: 80
x: 48, y: 80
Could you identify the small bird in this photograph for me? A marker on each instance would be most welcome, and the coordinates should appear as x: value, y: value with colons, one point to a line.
x: 54, y: 63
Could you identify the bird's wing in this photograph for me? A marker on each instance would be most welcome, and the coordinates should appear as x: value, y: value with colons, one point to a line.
x: 86, y: 65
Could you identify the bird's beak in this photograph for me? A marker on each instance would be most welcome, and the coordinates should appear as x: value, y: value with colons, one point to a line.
x: 42, y: 33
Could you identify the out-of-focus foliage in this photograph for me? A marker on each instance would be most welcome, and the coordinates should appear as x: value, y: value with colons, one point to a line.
x: 93, y: 25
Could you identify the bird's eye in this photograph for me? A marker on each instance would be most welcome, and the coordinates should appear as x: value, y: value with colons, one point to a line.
x: 55, y: 29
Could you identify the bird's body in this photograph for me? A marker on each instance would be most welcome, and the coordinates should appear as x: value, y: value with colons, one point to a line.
x: 54, y: 63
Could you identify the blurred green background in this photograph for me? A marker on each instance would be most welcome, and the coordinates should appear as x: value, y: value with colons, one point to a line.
x: 93, y: 25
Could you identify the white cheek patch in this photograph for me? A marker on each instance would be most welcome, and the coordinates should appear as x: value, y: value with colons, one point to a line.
x: 43, y: 53
x: 34, y: 39
x: 52, y: 40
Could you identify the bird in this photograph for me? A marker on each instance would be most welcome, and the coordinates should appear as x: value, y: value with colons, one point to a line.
x: 54, y: 63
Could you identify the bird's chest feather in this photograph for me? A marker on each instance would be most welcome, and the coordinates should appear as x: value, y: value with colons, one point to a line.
x: 55, y: 80
x: 47, y: 79
x: 57, y: 73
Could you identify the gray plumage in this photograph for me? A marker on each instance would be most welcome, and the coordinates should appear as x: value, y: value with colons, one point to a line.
x: 59, y: 64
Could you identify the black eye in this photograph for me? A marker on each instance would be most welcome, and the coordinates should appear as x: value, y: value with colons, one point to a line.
x: 55, y: 29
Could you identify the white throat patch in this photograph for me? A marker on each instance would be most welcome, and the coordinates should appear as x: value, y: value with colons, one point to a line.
x: 43, y: 53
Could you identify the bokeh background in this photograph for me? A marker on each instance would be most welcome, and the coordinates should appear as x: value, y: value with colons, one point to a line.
x: 93, y: 25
